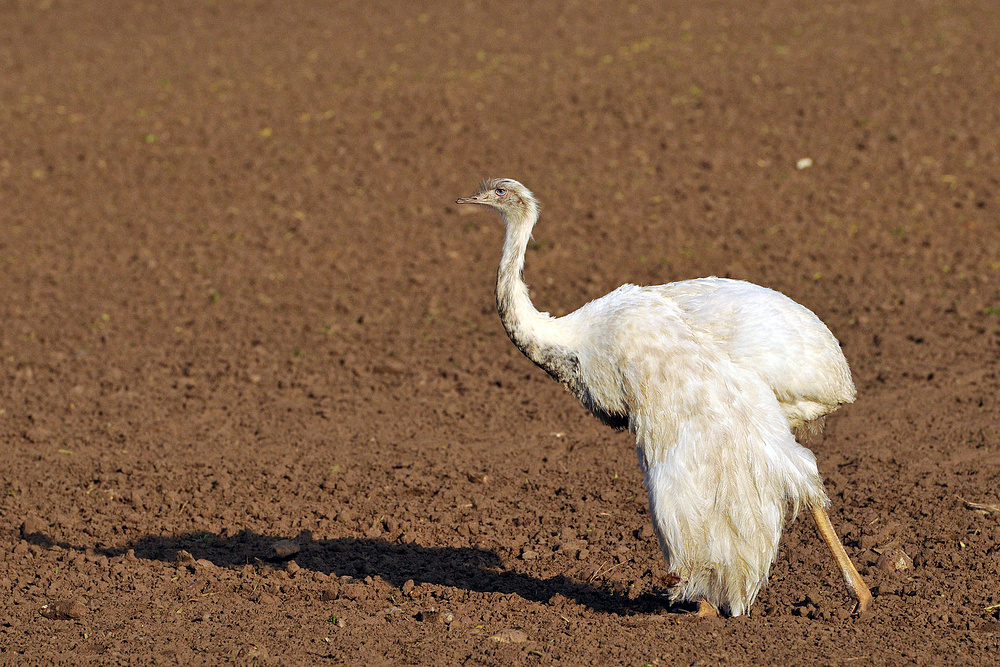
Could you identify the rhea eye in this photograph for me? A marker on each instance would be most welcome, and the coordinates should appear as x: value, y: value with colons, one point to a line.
x: 500, y: 192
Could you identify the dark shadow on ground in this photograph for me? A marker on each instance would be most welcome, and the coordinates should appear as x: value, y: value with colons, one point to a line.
x: 466, y: 568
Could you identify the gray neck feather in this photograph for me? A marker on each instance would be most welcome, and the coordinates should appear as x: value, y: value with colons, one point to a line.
x: 531, y: 331
x: 523, y: 323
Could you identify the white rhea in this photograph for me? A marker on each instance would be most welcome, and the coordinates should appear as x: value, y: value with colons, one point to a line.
x: 711, y: 376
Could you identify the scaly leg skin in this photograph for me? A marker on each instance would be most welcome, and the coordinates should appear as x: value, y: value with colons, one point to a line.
x: 706, y: 609
x: 855, y: 584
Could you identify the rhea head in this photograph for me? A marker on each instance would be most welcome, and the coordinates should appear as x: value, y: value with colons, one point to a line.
x: 509, y: 198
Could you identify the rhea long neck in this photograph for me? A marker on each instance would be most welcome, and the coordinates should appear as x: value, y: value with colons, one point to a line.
x: 536, y: 334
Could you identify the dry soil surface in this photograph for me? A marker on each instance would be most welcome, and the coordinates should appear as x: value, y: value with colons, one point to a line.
x: 257, y: 406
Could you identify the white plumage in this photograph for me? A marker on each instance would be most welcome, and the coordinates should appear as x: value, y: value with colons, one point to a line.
x: 711, y: 376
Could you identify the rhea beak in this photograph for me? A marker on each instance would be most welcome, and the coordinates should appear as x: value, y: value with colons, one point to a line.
x: 474, y: 199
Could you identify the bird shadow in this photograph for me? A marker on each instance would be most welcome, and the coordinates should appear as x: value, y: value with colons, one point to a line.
x: 468, y: 568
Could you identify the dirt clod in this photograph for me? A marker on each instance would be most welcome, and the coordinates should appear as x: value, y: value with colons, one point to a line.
x: 254, y: 655
x: 508, y: 636
x: 356, y: 591
x: 430, y: 616
x: 61, y: 610
x: 283, y: 549
x: 32, y: 526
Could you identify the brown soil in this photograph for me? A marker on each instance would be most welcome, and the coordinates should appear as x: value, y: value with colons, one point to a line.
x: 239, y: 308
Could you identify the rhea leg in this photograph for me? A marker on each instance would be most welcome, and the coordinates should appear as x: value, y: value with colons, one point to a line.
x: 855, y: 584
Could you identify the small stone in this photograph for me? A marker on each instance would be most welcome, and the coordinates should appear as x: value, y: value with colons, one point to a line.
x: 894, y: 560
x: 528, y: 554
x: 62, y: 610
x: 253, y: 655
x: 408, y: 587
x: 283, y: 549
x: 508, y: 636
x: 478, y: 478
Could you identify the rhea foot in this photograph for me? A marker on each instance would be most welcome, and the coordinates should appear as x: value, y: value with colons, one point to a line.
x: 706, y: 609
